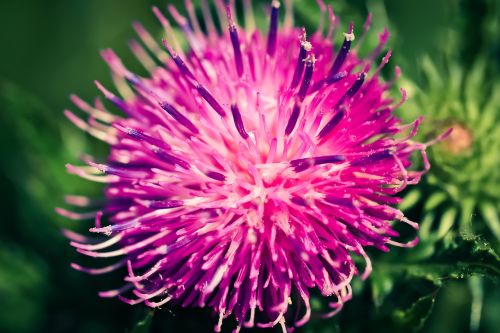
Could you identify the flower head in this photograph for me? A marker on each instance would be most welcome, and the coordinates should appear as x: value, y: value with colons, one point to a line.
x: 247, y: 171
x: 466, y: 166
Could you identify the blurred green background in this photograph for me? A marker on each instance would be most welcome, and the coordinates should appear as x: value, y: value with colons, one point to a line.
x: 49, y: 49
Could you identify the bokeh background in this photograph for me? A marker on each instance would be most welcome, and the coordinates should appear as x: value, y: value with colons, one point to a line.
x: 49, y: 49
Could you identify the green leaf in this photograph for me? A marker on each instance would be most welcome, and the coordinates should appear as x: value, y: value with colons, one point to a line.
x: 435, y: 200
x: 468, y: 205
x: 473, y: 84
x: 477, y: 292
x: 489, y: 113
x: 490, y: 215
x: 425, y: 227
x: 404, y: 286
x: 410, y: 199
x: 461, y: 257
x: 447, y: 221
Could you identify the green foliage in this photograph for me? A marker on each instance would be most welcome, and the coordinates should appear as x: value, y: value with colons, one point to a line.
x: 429, y: 288
x: 463, y: 182
x: 23, y: 289
x: 38, y: 151
x: 403, y: 289
x: 453, y: 258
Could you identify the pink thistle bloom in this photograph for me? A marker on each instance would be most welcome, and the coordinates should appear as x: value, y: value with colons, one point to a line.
x: 248, y: 171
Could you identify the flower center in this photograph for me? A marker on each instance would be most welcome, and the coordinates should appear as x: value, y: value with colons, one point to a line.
x: 459, y: 141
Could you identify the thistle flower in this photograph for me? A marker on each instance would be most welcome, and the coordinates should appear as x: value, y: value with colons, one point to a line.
x: 466, y: 166
x: 247, y: 172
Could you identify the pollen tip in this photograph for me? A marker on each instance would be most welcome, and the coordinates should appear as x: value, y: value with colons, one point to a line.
x: 169, y: 48
x: 181, y: 20
x: 105, y: 91
x: 349, y: 36
x: 107, y: 53
x: 321, y: 5
x: 306, y: 46
x: 229, y: 15
x: 75, y: 266
x: 137, y: 25
x: 273, y: 29
x: 311, y: 58
x: 387, y: 56
x: 384, y: 36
